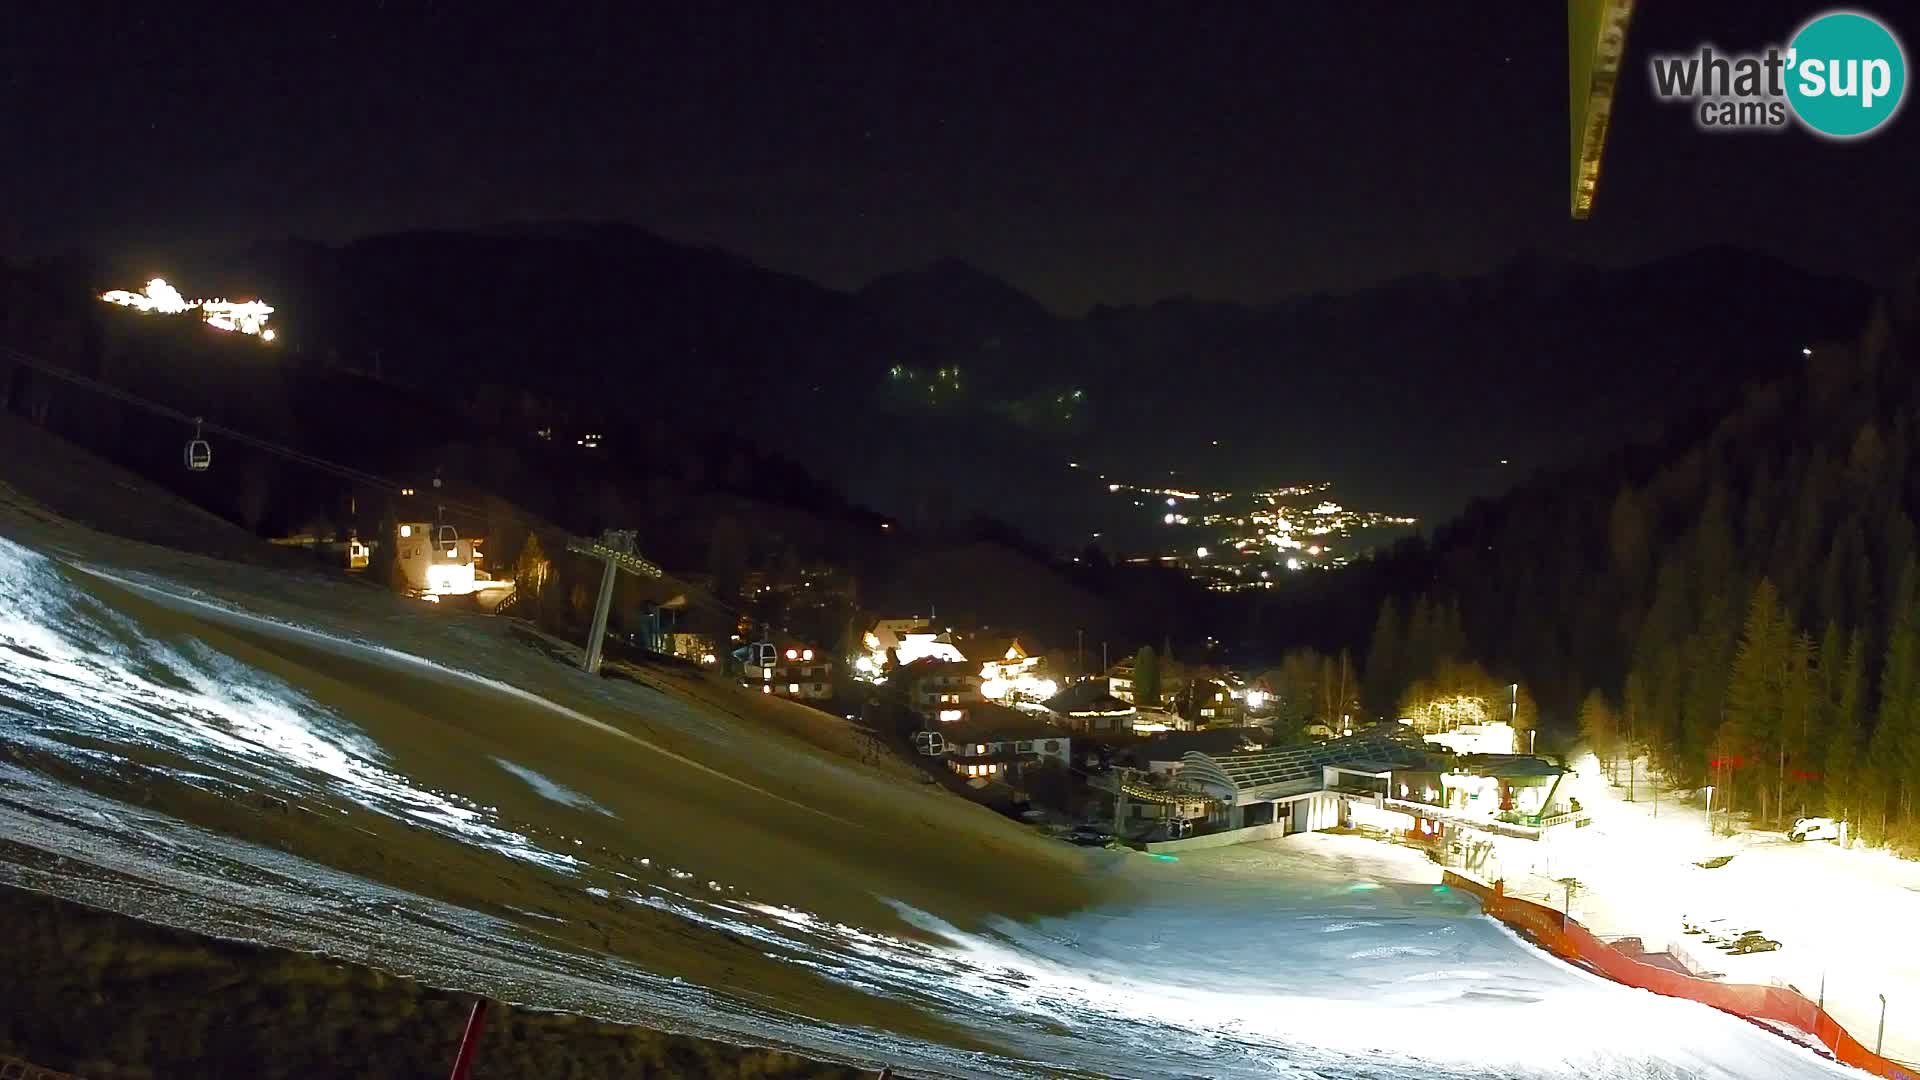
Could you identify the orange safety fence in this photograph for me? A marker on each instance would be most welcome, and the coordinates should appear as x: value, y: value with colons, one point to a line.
x: 1569, y: 940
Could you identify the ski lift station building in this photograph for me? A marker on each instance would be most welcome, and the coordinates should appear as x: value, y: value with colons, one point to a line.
x: 1387, y: 779
x: 435, y: 560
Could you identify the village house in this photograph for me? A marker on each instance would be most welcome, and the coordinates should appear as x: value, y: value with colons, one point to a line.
x: 900, y: 641
x: 998, y: 745
x: 1086, y: 707
x: 1009, y: 671
x: 1002, y: 656
x: 1210, y: 702
x: 940, y: 690
x: 1175, y: 677
x: 788, y: 668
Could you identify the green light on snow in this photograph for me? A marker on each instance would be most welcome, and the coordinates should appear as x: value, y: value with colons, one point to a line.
x: 1363, y: 886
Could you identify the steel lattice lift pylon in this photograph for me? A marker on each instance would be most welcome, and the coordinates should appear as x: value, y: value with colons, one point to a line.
x: 615, y: 549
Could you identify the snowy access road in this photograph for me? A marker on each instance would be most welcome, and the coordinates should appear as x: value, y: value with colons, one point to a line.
x: 148, y: 724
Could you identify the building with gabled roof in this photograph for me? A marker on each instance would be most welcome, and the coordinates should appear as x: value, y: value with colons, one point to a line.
x: 943, y: 690
x: 996, y: 741
x: 1088, y: 708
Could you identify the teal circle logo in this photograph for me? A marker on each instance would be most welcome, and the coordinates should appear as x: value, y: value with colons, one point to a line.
x: 1847, y: 74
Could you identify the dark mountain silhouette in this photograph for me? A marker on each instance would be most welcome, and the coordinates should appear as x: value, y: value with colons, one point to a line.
x: 952, y: 304
x: 1411, y: 392
x: 943, y: 392
x: 941, y: 396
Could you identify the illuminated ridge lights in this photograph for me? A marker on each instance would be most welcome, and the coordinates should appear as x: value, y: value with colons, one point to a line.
x: 237, y: 317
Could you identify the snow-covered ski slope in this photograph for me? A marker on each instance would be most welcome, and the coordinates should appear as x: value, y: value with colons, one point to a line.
x: 311, y: 764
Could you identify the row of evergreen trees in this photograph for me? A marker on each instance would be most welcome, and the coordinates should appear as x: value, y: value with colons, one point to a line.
x: 1739, y: 600
x: 1800, y: 728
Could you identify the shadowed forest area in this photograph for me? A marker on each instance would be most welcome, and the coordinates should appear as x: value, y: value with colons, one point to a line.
x: 1739, y: 601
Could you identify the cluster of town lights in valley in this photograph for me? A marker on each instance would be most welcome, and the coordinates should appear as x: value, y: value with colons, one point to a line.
x: 241, y: 317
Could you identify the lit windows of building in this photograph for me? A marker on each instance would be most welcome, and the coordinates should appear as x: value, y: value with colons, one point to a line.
x: 793, y: 670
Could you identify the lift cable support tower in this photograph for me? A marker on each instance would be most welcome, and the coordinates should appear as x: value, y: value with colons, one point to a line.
x: 615, y: 549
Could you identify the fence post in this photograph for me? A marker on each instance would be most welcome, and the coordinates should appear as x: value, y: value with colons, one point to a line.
x: 1881, y: 1038
x: 470, y: 1042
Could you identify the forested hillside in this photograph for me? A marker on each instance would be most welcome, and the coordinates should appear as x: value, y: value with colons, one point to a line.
x: 1740, y: 600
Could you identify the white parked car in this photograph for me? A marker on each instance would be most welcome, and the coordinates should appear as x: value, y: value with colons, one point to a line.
x: 1814, y: 828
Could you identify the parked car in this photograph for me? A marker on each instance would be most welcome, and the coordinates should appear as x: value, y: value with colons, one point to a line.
x: 1753, y: 941
x: 1814, y: 828
x: 1088, y: 836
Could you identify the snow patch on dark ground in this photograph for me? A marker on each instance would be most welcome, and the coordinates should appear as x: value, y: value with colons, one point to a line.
x: 559, y: 793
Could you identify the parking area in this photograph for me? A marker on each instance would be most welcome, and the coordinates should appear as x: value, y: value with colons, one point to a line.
x: 1751, y: 907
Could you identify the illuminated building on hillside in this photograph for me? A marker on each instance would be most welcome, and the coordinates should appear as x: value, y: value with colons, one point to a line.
x: 1012, y: 675
x: 436, y: 561
x: 904, y: 640
x: 940, y: 690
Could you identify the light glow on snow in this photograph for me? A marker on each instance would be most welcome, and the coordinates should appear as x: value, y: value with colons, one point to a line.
x: 94, y: 673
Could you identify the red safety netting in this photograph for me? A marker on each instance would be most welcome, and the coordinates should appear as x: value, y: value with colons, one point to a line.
x: 1569, y: 940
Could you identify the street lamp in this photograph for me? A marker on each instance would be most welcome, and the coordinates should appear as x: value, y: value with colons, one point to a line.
x: 1709, y: 809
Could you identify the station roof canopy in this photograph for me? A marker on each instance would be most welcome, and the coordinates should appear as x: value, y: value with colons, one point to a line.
x: 1508, y: 765
x: 1277, y: 774
x: 1369, y: 766
x: 1166, y: 795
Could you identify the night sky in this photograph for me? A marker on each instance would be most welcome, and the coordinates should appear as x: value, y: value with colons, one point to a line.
x: 1115, y: 153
